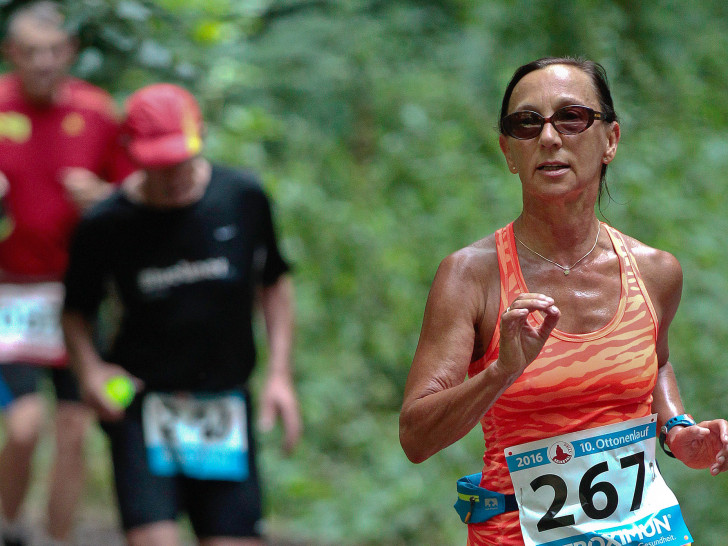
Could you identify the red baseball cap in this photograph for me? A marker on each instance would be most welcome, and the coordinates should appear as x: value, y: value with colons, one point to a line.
x: 163, y: 125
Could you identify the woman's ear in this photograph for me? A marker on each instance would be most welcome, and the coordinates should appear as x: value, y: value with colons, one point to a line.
x: 506, y: 149
x: 613, y: 141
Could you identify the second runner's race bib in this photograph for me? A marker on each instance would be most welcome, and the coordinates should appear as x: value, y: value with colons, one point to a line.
x: 30, y: 325
x: 597, y: 487
x: 202, y: 436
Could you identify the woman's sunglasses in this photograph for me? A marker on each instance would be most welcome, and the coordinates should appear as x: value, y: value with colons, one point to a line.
x: 569, y: 120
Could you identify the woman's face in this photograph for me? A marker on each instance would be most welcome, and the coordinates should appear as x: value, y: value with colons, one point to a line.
x: 552, y: 164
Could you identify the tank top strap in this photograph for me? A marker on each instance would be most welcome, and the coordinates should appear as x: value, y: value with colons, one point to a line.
x: 636, y: 287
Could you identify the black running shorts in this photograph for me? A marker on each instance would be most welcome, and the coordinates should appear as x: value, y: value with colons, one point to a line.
x: 21, y: 379
x: 215, y: 508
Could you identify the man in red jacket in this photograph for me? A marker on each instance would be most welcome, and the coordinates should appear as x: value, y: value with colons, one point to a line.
x: 58, y: 145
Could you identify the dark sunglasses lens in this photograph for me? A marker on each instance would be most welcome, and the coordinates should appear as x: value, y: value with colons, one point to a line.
x: 571, y: 120
x: 523, y: 125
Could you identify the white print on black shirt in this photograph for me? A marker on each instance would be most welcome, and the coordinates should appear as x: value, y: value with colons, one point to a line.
x: 225, y: 233
x: 183, y: 272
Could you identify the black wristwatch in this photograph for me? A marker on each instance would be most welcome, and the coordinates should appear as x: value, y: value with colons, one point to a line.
x: 684, y: 420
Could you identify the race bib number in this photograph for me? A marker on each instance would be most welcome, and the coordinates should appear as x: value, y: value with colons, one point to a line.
x: 30, y: 326
x: 199, y: 436
x: 597, y: 487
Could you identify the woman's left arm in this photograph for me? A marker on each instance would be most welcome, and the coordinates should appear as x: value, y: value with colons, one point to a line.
x: 704, y: 445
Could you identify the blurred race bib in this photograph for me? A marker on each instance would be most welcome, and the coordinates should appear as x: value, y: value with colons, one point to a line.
x: 30, y: 328
x: 202, y: 436
x: 597, y: 487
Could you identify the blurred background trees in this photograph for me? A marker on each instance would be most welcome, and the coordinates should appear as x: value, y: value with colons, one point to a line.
x: 373, y: 125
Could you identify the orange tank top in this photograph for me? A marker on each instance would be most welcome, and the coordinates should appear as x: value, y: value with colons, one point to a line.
x: 578, y: 381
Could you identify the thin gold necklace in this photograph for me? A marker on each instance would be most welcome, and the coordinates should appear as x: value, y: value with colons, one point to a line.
x: 564, y: 268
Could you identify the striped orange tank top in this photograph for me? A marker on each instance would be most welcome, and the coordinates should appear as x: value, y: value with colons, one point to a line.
x: 578, y: 381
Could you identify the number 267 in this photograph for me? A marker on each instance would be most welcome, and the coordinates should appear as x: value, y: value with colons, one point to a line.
x: 587, y: 492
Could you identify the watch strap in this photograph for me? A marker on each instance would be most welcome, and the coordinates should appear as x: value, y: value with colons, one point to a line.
x: 685, y: 420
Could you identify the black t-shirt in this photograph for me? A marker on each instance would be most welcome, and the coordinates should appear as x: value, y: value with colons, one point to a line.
x: 186, y: 279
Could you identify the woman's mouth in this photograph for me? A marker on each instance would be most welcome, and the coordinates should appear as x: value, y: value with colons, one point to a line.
x: 552, y: 166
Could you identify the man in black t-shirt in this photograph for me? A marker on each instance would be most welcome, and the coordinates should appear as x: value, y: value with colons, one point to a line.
x: 189, y: 247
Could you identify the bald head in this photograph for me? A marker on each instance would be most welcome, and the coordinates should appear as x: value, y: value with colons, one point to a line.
x: 40, y: 49
x: 44, y: 13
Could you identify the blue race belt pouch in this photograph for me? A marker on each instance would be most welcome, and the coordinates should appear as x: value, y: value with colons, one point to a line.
x: 476, y: 504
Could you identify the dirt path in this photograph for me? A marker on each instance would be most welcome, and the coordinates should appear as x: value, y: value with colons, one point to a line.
x: 102, y: 529
x: 94, y: 528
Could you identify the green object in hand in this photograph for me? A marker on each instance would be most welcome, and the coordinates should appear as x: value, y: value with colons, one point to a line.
x: 121, y: 390
x: 6, y: 222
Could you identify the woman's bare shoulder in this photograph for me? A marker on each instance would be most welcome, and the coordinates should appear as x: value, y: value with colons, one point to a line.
x: 651, y: 260
x: 662, y: 274
x: 467, y: 282
x: 473, y: 261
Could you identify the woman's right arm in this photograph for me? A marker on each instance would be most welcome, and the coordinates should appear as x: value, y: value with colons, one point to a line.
x: 439, y: 406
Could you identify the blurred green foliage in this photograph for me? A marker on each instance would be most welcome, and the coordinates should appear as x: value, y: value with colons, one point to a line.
x: 373, y: 125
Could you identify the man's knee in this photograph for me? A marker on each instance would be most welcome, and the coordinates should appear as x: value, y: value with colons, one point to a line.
x: 72, y: 423
x: 24, y: 421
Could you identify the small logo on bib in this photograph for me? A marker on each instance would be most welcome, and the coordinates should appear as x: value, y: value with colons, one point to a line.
x: 561, y: 452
